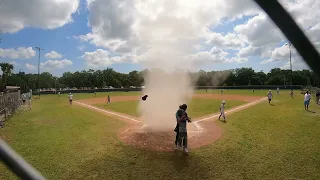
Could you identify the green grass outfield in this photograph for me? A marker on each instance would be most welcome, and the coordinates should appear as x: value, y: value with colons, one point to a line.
x: 198, y: 107
x: 261, y: 142
x: 247, y: 92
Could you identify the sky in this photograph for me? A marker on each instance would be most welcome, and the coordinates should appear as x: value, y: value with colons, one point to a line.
x: 78, y: 35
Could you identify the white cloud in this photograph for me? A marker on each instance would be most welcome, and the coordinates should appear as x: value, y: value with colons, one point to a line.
x: 215, y: 56
x: 140, y: 30
x: 30, y: 67
x: 52, y: 64
x: 259, y: 31
x: 49, y: 14
x: 53, y: 55
x: 19, y: 53
x: 128, y: 24
x: 102, y: 58
x: 281, y: 54
x: 250, y: 51
x: 297, y: 64
x: 229, y: 41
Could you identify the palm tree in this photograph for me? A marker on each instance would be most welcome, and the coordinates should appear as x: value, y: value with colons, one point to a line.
x: 6, y: 71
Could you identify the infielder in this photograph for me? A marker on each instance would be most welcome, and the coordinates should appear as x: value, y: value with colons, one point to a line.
x: 109, y: 100
x: 222, y: 107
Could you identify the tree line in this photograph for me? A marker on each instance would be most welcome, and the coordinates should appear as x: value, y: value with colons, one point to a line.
x: 109, y: 77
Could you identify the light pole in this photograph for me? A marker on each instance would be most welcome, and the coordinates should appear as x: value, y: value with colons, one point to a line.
x: 289, y: 44
x: 21, y: 88
x: 55, y: 85
x: 39, y: 49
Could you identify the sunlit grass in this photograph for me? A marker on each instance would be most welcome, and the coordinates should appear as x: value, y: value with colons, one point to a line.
x: 261, y: 142
x: 197, y: 107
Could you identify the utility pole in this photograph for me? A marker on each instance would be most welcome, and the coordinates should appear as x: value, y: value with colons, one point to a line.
x: 289, y: 44
x: 55, y: 85
x: 39, y: 49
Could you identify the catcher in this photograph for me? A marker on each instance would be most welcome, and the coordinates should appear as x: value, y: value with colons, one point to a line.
x: 181, y: 128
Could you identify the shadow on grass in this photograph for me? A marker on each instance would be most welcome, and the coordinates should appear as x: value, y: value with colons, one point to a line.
x: 129, y: 163
x: 311, y: 111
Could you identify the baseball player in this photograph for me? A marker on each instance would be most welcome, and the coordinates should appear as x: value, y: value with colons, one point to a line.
x: 182, y: 119
x: 278, y: 91
x: 269, y: 95
x: 222, y: 107
x: 318, y: 97
x: 29, y: 99
x: 307, y: 98
x: 23, y: 97
x: 109, y: 100
x: 291, y: 94
x: 70, y: 96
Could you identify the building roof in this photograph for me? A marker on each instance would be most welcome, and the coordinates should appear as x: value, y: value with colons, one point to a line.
x: 12, y: 87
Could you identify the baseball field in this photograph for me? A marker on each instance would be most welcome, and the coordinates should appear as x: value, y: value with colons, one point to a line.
x: 93, y: 140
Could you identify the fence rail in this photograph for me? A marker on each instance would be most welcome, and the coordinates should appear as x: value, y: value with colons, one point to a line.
x: 296, y: 87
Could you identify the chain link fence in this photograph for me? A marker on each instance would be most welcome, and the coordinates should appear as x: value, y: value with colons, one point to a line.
x: 9, y: 103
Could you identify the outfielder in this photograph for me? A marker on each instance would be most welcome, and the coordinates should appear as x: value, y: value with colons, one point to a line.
x: 70, y: 98
x: 269, y: 95
x: 291, y: 94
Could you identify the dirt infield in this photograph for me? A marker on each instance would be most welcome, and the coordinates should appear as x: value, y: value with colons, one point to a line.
x: 164, y: 141
x: 201, y: 132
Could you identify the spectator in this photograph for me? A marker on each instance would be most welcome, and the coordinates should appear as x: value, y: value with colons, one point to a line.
x: 318, y: 97
x: 307, y: 98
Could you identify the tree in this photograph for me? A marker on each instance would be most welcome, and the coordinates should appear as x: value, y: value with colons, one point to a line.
x: 6, y: 72
x: 244, y: 76
x: 109, y: 77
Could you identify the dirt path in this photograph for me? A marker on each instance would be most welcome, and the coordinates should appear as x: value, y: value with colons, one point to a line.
x: 201, y: 132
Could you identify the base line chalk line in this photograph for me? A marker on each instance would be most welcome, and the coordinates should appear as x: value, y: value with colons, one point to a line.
x: 108, y: 112
x: 233, y: 110
x: 195, y: 123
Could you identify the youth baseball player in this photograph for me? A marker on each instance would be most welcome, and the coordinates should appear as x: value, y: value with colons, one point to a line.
x: 222, y: 107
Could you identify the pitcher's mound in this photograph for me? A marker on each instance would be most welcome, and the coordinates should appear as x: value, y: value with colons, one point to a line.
x: 142, y: 137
